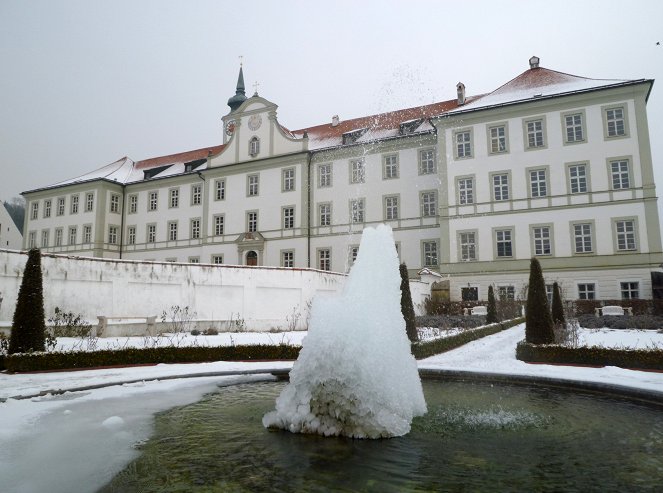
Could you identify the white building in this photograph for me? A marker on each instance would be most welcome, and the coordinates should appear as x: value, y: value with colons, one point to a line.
x: 10, y: 235
x: 548, y: 165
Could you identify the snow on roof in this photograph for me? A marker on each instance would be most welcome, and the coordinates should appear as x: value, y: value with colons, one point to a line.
x: 117, y: 171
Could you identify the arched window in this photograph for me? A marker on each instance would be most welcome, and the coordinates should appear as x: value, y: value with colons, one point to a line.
x: 252, y: 258
x: 254, y: 146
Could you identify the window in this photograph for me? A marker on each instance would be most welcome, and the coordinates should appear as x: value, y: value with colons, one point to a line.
x: 252, y: 221
x: 324, y: 214
x: 32, y: 239
x: 195, y: 228
x: 60, y: 211
x: 465, y: 191
x: 288, y: 217
x: 174, y: 198
x: 352, y: 254
x: 390, y: 166
x: 72, y: 235
x: 586, y: 291
x: 578, y: 178
x: 44, y: 238
x: 427, y: 162
x: 131, y: 235
x: 357, y: 171
x: 112, y: 235
x: 219, y: 189
x: 537, y: 180
x: 324, y: 259
x: 58, y: 236
x: 391, y: 208
x: 625, y: 235
x: 73, y: 204
x: 133, y: 204
x: 620, y: 174
x: 430, y: 253
x: 194, y: 260
x: 503, y: 243
x: 573, y: 128
x: 501, y: 187
x: 497, y: 139
x: 535, y: 131
x: 47, y: 208
x: 254, y: 146
x: 219, y: 225
x: 35, y: 210
x: 582, y: 234
x: 287, y: 258
x: 324, y: 175
x: 151, y: 233
x: 615, y: 122
x: 89, y: 202
x: 428, y: 204
x: 153, y: 201
x: 357, y: 211
x: 506, y: 293
x: 468, y: 246
x: 172, y: 231
x: 115, y: 203
x: 217, y: 259
x: 196, y: 194
x: 463, y: 144
x: 469, y: 293
x: 87, y: 234
x: 541, y: 238
x: 630, y: 290
x: 288, y: 177
x: 252, y: 183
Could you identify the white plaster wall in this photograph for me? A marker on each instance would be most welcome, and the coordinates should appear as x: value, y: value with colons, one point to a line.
x: 10, y: 236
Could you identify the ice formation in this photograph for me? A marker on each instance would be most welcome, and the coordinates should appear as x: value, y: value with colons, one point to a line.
x: 355, y: 375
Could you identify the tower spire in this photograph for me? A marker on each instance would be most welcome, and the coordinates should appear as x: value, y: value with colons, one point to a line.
x: 240, y: 96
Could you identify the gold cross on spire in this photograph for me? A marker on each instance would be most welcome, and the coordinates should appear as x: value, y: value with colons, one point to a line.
x: 241, y: 60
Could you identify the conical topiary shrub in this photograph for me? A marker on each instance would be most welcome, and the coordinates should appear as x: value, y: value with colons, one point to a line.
x: 28, y: 326
x: 491, y: 316
x: 538, y: 321
x: 557, y: 307
x: 407, y: 308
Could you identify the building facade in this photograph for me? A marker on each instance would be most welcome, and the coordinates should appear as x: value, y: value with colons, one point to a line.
x: 10, y: 235
x: 548, y: 165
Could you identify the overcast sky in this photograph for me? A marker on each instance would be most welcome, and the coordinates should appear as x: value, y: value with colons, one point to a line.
x: 84, y: 83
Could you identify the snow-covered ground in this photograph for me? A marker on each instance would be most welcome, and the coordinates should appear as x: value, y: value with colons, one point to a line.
x: 85, y: 437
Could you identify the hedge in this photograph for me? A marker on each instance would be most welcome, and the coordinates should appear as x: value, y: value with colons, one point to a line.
x: 425, y: 349
x: 640, y: 359
x: 71, y: 360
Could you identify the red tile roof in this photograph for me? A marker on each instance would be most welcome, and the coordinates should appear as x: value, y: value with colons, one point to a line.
x: 182, y: 157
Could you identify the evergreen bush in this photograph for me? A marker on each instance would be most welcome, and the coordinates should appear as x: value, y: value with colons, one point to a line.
x: 557, y: 307
x: 29, y: 326
x: 538, y: 320
x: 407, y: 308
x: 491, y: 316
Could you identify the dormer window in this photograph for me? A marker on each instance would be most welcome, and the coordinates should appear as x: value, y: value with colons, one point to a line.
x: 152, y: 172
x: 352, y: 136
x: 408, y: 127
x: 191, y: 165
x: 254, y: 146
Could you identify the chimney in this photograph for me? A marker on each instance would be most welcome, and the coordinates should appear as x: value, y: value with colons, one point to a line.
x: 460, y: 89
x: 534, y: 62
x: 335, y: 121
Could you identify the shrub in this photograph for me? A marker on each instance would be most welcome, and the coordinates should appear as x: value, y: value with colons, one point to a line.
x: 557, y: 306
x: 28, y: 326
x: 539, y: 325
x: 491, y: 316
x: 211, y: 332
x: 450, y: 321
x: 641, y: 322
x: 407, y: 308
x: 66, y: 324
x: 179, y: 319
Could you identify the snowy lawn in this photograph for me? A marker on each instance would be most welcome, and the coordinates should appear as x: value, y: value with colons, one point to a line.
x: 621, y: 338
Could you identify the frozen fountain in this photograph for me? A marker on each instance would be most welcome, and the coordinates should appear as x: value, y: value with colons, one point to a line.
x: 355, y: 375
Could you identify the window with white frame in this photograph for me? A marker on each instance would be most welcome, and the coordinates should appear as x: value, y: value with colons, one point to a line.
x: 133, y: 204
x: 254, y: 146
x: 60, y: 211
x: 47, y: 208
x: 353, y: 252
x: 357, y: 211
x: 288, y: 179
x: 172, y: 230
x: 115, y: 203
x: 324, y: 175
x: 468, y: 246
x: 324, y: 259
x: 615, y: 122
x: 131, y: 235
x: 427, y: 162
x: 501, y: 187
x: 630, y: 290
x: 219, y: 222
x: 430, y: 252
x: 217, y: 259
x: 288, y: 217
x: 32, y: 239
x: 73, y: 235
x: 390, y: 164
x: 506, y: 293
x: 620, y: 174
x: 578, y: 178
x: 219, y: 189
x: 194, y: 260
x: 59, y: 233
x: 153, y: 201
x: 252, y: 222
x: 391, y: 208
x: 324, y: 214
x: 428, y: 204
x: 253, y: 182
x: 586, y: 291
x: 538, y: 185
x: 463, y: 144
x: 497, y: 139
x: 74, y: 204
x: 89, y: 202
x: 542, y: 243
x: 357, y: 171
x: 503, y: 243
x: 625, y: 230
x: 174, y: 198
x: 287, y: 258
x: 151, y: 233
x: 195, y: 228
x: 465, y: 191
x: 573, y: 128
x: 196, y: 194
x: 582, y: 234
x: 35, y: 210
x: 44, y: 238
x: 87, y: 234
x: 535, y: 134
x: 112, y: 235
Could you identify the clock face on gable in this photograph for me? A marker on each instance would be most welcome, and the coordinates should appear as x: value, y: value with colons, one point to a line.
x: 230, y: 127
x: 254, y: 122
